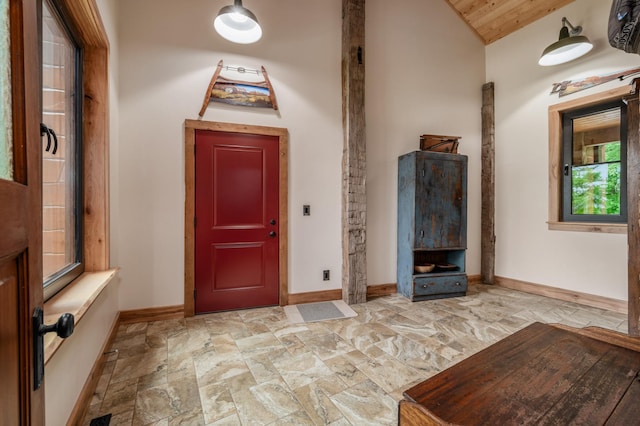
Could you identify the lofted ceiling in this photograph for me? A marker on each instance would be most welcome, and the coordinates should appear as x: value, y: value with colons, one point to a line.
x: 494, y: 19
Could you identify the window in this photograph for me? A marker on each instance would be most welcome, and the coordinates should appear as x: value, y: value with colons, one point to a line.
x: 62, y: 153
x: 589, y: 157
x: 594, y: 164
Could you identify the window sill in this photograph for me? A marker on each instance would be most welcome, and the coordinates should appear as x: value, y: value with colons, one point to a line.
x: 76, y: 298
x: 609, y: 228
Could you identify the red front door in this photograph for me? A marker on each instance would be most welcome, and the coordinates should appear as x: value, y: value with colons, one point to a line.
x: 236, y: 234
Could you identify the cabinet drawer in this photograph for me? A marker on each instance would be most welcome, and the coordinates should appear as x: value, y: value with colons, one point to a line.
x: 440, y: 285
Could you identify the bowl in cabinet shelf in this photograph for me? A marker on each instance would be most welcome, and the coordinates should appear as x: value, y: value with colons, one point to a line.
x: 423, y: 269
x: 447, y: 267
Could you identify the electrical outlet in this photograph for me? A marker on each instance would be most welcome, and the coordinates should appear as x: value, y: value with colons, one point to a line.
x: 306, y: 210
x: 326, y: 275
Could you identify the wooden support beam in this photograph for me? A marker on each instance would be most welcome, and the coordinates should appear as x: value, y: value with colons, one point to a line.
x: 633, y: 207
x: 488, y: 238
x: 354, y: 203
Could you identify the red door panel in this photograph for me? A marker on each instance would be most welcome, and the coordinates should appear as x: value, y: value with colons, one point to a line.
x: 237, y: 265
x: 240, y: 199
x: 237, y: 204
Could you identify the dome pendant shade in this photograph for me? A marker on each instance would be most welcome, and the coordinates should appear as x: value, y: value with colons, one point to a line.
x: 237, y: 24
x: 569, y: 46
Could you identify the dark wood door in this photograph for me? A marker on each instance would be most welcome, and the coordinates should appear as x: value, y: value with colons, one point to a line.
x: 20, y: 217
x: 237, y: 229
x: 441, y: 207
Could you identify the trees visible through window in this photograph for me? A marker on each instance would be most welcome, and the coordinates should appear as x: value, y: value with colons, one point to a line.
x: 594, y: 164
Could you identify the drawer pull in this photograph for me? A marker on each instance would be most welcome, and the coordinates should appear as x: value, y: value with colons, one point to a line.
x: 458, y: 284
x: 424, y: 286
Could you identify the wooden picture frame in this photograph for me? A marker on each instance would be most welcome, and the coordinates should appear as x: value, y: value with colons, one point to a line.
x: 252, y: 92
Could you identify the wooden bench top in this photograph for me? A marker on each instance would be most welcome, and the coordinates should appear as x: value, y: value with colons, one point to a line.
x: 542, y: 374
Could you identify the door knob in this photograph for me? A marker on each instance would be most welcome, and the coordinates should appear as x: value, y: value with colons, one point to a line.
x: 63, y: 328
x: 272, y: 234
x: 272, y: 222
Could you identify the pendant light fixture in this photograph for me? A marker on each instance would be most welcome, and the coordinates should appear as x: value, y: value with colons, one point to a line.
x: 570, y: 45
x: 237, y: 24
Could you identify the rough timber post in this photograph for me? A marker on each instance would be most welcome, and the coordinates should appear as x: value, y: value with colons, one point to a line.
x: 354, y: 203
x: 633, y: 207
x: 488, y: 237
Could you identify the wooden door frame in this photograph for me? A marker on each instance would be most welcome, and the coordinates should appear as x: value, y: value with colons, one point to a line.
x: 190, y: 127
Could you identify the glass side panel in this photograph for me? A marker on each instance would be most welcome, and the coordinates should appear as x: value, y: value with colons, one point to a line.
x: 596, y: 189
x: 58, y: 169
x: 596, y: 164
x: 6, y: 123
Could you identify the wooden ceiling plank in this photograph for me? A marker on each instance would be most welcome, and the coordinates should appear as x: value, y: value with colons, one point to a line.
x: 492, y: 11
x: 515, y: 19
x: 493, y: 19
x: 523, y: 10
x: 469, y: 7
x: 498, y: 15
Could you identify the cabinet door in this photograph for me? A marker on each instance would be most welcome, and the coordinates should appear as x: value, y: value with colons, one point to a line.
x: 441, y: 206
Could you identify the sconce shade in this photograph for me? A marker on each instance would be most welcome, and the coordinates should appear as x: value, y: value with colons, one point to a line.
x: 567, y: 48
x: 237, y: 24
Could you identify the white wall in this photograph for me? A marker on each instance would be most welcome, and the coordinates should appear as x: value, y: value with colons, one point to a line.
x: 424, y: 75
x: 109, y: 10
x: 69, y: 368
x: 526, y: 250
x: 168, y: 53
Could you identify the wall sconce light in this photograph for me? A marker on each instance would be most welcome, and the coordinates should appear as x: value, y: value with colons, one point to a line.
x: 570, y: 45
x: 237, y: 24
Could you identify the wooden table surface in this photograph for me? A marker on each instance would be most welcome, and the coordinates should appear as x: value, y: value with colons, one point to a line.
x: 543, y: 374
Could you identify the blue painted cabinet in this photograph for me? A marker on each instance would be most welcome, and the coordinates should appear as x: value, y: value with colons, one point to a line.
x: 432, y: 224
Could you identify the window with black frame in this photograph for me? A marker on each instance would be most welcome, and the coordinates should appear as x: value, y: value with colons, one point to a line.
x: 61, y: 131
x: 594, y: 164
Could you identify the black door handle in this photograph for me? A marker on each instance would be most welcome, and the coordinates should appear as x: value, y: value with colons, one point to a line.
x: 272, y: 222
x: 55, y: 142
x: 272, y: 234
x: 44, y: 130
x: 63, y: 328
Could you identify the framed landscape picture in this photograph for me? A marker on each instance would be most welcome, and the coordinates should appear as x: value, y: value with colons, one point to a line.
x: 240, y: 86
x: 245, y: 94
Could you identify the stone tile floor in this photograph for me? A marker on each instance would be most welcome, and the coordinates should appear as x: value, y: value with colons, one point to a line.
x: 253, y: 367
